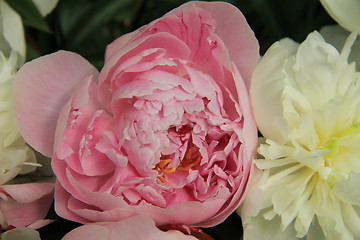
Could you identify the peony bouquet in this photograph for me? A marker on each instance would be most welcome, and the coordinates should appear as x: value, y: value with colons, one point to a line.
x: 179, y: 120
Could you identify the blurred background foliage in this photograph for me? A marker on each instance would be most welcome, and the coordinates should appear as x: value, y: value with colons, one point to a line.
x: 87, y: 26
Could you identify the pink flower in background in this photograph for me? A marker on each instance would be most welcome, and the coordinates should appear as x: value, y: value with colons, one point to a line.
x: 164, y: 130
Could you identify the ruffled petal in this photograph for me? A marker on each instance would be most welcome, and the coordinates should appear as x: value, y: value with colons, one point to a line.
x: 240, y: 41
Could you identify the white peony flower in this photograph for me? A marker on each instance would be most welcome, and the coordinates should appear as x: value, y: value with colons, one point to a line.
x: 306, y: 101
x: 15, y: 156
x: 345, y: 12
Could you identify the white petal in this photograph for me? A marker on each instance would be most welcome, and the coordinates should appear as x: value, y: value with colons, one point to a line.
x: 349, y: 191
x: 256, y: 228
x: 12, y: 31
x: 345, y: 12
x: 337, y: 36
x: 267, y: 85
x: 21, y: 234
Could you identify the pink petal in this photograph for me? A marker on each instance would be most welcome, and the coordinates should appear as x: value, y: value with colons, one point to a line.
x: 120, y: 42
x: 240, y: 40
x: 107, y: 208
x: 29, y: 192
x: 41, y: 89
x: 40, y: 223
x: 89, y: 232
x: 249, y: 135
x: 134, y: 228
x: 61, y: 205
x: 28, y: 203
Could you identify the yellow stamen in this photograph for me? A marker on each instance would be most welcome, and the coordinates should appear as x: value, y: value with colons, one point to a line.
x: 162, y: 179
x: 186, y: 164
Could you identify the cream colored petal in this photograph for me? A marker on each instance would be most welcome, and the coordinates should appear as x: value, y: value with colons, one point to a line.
x: 352, y: 218
x: 349, y: 191
x: 337, y: 36
x: 255, y: 199
x: 266, y: 88
x: 315, y: 232
x: 45, y: 6
x: 12, y: 32
x: 345, y: 12
x: 21, y: 234
x: 256, y: 228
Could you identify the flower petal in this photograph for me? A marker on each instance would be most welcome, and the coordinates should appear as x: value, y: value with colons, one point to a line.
x: 12, y: 31
x: 240, y: 41
x: 134, y: 228
x: 20, y: 234
x: 27, y: 204
x: 50, y: 79
x: 265, y: 92
x: 345, y: 12
x: 336, y: 36
x: 259, y: 228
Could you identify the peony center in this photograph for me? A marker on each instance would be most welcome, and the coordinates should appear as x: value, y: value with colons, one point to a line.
x: 336, y: 148
x: 188, y: 162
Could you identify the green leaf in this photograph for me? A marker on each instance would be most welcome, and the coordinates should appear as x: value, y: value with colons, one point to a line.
x: 94, y: 17
x: 69, y: 12
x: 31, y: 53
x: 30, y: 14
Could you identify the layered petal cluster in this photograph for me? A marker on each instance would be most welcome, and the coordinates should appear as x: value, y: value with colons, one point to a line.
x: 306, y: 102
x: 15, y: 156
x: 25, y: 205
x: 165, y: 129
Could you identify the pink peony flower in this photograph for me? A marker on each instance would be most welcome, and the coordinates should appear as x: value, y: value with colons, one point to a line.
x: 164, y: 130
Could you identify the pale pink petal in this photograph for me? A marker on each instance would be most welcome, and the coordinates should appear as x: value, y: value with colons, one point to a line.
x: 61, y: 205
x: 119, y: 43
x: 41, y: 89
x: 249, y: 135
x: 40, y: 223
x: 240, y: 41
x: 26, y: 203
x: 28, y: 192
x: 114, y: 208
x: 134, y: 228
x: 160, y: 40
x: 89, y: 232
